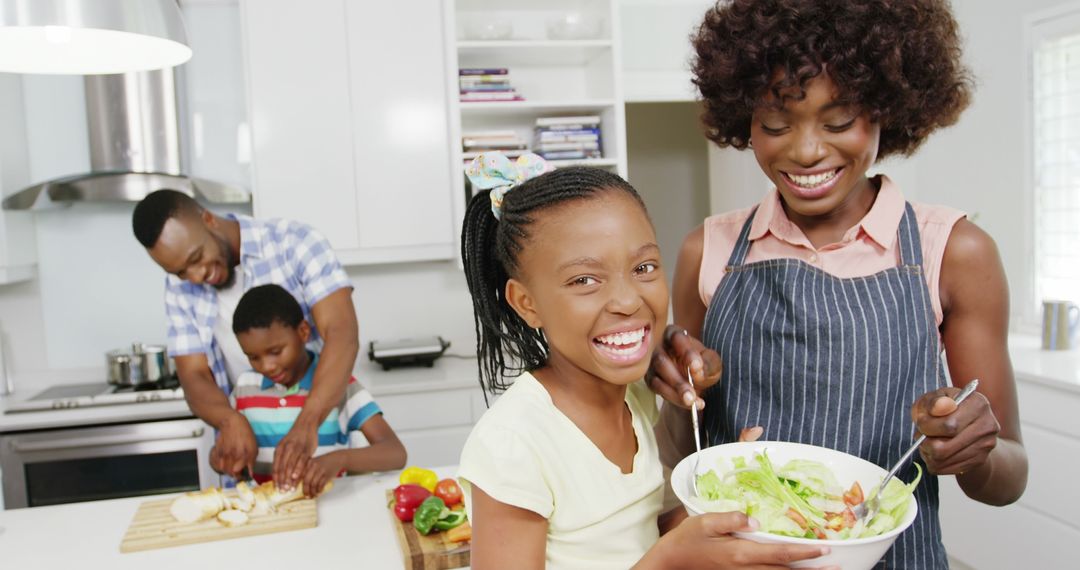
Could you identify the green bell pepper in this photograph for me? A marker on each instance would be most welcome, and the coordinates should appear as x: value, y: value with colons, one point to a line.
x: 451, y: 520
x: 427, y: 514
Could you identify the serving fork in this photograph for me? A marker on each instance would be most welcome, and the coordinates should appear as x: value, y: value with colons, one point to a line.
x: 867, y: 509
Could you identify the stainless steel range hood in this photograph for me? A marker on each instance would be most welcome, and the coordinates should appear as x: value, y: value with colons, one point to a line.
x: 134, y: 148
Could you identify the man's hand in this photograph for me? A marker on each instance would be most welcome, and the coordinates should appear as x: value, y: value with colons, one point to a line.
x: 235, y: 448
x: 293, y: 454
x: 667, y: 371
x: 320, y: 470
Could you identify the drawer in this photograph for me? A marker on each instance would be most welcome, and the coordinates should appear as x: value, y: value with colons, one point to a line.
x: 435, y: 447
x: 1048, y: 407
x: 1053, y: 461
x: 423, y: 410
x: 479, y: 406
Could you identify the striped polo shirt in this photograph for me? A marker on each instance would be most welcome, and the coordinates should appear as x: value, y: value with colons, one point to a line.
x: 271, y: 409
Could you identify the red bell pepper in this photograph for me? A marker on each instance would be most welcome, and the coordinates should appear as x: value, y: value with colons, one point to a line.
x: 406, y: 499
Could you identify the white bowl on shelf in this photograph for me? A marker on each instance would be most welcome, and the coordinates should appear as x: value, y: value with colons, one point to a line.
x: 488, y: 30
x: 850, y: 554
x: 573, y: 26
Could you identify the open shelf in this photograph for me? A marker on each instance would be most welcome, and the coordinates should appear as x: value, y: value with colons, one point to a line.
x: 533, y: 52
x: 516, y: 107
x: 598, y: 162
x: 532, y: 44
x: 557, y: 77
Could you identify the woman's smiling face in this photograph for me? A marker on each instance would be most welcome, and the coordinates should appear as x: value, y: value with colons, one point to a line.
x: 815, y: 150
x: 590, y: 277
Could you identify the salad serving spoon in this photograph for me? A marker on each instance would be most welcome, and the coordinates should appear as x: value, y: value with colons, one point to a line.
x: 867, y: 509
x: 697, y: 433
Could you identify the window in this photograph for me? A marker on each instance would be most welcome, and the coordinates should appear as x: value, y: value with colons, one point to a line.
x: 1055, y: 122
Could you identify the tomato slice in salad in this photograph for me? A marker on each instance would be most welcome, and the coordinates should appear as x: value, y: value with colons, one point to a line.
x: 854, y: 496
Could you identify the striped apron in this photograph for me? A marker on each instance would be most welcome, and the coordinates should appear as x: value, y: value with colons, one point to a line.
x: 833, y: 362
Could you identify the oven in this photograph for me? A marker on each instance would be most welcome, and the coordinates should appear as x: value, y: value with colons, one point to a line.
x: 106, y: 462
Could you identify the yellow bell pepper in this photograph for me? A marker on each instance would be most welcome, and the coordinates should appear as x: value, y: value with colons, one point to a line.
x: 426, y: 478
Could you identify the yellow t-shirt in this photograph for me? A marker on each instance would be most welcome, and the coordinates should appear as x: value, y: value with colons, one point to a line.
x: 526, y: 453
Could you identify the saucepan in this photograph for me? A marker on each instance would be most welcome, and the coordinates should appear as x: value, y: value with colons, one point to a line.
x: 143, y: 364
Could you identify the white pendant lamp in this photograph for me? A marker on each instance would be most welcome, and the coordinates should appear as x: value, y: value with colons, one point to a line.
x: 90, y: 37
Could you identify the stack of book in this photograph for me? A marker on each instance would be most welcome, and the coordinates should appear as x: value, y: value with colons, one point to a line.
x: 475, y: 143
x: 486, y: 84
x: 567, y: 138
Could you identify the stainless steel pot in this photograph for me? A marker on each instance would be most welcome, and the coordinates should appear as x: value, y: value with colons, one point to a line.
x: 144, y: 364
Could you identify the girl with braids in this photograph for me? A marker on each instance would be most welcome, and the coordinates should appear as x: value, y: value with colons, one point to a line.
x: 829, y: 303
x: 568, y: 295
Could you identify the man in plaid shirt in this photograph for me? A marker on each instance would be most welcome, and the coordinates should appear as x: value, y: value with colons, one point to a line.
x: 211, y: 260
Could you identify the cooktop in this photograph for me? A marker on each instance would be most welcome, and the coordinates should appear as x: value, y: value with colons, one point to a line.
x: 66, y: 396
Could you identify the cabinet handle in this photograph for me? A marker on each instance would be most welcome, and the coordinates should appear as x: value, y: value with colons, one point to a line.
x: 102, y: 440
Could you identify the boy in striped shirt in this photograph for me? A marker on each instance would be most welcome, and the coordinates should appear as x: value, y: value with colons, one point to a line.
x: 270, y: 327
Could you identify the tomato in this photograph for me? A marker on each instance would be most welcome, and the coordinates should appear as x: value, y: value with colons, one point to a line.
x: 854, y: 496
x: 448, y: 491
x: 849, y: 518
x: 798, y: 518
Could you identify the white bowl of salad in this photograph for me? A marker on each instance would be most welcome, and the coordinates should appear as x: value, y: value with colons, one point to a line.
x: 800, y: 494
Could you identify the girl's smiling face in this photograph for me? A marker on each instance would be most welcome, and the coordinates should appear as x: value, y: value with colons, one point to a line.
x: 590, y: 277
x: 815, y: 150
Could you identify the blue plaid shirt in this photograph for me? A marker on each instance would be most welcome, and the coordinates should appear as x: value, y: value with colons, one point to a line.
x: 290, y: 254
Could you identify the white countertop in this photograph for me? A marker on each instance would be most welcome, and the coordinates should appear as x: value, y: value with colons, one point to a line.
x: 354, y: 525
x: 1054, y: 368
x: 448, y: 373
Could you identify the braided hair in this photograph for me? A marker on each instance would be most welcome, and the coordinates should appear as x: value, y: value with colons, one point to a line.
x: 505, y: 344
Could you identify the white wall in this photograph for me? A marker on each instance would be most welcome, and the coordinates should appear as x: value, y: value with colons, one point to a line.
x: 668, y: 165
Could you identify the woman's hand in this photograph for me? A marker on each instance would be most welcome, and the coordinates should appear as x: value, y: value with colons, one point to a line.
x: 667, y: 371
x: 959, y: 438
x: 706, y: 541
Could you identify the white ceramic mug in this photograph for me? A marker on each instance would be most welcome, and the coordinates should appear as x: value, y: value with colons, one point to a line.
x: 1060, y: 324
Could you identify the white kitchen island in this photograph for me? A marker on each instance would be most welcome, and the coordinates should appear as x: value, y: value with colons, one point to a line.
x: 354, y: 530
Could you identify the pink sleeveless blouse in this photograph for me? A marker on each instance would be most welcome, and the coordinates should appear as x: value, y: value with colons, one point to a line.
x: 867, y: 248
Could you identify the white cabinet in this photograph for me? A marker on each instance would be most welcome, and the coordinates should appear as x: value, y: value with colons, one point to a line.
x: 349, y: 119
x: 656, y: 67
x: 18, y: 251
x: 1039, y: 530
x: 434, y: 425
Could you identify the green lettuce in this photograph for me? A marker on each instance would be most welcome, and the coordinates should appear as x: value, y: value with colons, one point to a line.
x: 800, y: 489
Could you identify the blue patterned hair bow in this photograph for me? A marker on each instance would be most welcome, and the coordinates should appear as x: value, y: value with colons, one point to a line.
x: 493, y: 171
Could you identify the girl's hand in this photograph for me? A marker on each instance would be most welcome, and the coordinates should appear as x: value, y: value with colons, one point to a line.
x: 958, y: 438
x: 705, y: 541
x: 667, y: 371
x: 321, y: 470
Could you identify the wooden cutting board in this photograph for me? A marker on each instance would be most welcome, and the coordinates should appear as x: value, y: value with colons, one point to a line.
x: 431, y: 552
x: 153, y: 526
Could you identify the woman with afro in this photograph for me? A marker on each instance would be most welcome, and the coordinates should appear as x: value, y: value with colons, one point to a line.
x: 830, y: 302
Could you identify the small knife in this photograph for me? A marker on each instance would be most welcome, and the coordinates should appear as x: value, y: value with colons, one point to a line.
x: 250, y: 478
